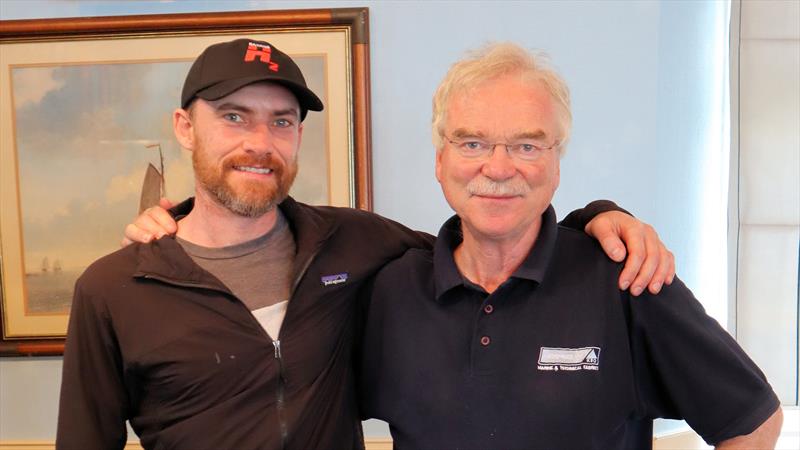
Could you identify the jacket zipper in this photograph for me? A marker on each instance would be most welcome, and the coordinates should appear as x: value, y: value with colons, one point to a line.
x: 276, y: 343
x: 280, y: 404
x: 280, y: 393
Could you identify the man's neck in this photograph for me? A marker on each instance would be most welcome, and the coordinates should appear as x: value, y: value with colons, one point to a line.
x: 212, y: 225
x: 489, y: 262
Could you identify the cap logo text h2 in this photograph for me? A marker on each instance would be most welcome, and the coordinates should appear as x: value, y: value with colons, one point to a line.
x: 264, y: 54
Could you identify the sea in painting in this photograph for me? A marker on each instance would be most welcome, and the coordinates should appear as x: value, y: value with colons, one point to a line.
x: 51, y: 291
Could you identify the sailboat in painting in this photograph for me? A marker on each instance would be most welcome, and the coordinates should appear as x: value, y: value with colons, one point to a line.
x: 153, y: 187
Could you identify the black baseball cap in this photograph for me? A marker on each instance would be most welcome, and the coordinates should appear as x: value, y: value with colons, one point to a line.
x: 228, y: 66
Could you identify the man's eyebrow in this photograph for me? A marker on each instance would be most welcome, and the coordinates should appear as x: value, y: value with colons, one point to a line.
x: 228, y: 106
x: 535, y: 135
x: 462, y: 133
x: 286, y: 112
x: 236, y: 107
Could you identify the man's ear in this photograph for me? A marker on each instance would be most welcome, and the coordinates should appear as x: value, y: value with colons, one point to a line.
x: 182, y: 127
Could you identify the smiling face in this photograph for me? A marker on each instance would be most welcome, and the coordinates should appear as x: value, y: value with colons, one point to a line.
x: 244, y: 147
x: 499, y: 197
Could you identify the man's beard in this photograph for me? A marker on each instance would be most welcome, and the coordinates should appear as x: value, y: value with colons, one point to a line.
x: 247, y: 198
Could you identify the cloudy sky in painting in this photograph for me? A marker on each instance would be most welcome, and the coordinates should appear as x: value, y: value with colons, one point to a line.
x: 80, y: 137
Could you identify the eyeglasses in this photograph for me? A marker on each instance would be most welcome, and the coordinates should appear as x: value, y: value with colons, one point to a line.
x: 524, y: 150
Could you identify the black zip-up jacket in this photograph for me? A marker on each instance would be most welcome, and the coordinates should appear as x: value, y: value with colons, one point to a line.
x: 155, y: 339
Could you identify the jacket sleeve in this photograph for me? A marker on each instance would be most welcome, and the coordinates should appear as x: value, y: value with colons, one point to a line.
x: 182, y: 209
x: 410, y: 238
x: 395, y: 238
x: 578, y: 219
x: 93, y: 405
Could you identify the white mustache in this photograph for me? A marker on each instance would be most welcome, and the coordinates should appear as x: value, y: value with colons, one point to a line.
x: 508, y: 188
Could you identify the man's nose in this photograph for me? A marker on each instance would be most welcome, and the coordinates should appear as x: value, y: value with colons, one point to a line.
x: 499, y: 165
x: 259, y: 139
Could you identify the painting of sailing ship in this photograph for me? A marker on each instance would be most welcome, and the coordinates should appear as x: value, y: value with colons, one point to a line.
x: 153, y: 187
x: 95, y: 146
x: 51, y: 287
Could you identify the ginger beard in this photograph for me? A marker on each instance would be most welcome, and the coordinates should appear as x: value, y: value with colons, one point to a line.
x: 245, y: 197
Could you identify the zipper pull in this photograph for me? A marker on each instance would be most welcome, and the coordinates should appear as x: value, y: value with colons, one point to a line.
x: 277, y: 344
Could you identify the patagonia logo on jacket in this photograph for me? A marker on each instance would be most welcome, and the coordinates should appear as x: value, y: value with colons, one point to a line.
x: 329, y: 280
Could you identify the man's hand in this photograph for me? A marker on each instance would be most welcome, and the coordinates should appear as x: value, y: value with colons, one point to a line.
x: 153, y: 223
x: 649, y: 265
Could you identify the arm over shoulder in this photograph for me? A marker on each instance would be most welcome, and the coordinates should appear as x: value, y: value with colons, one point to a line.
x: 578, y: 219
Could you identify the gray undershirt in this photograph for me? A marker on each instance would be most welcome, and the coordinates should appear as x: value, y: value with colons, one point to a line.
x: 258, y: 272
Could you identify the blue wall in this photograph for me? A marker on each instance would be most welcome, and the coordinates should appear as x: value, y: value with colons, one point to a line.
x: 643, y: 80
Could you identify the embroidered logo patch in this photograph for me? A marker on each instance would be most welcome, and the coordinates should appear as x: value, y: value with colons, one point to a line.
x: 570, y: 359
x: 329, y: 280
x: 263, y: 53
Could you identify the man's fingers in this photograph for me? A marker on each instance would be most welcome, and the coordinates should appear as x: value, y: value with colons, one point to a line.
x: 634, y: 237
x: 665, y: 272
x: 164, y: 223
x: 634, y: 262
x: 649, y: 264
x: 613, y: 246
x: 671, y: 276
x: 651, y: 261
x: 165, y: 203
x: 153, y: 223
x: 135, y: 234
x: 605, y: 230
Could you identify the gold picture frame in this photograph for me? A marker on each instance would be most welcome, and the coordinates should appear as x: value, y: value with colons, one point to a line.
x: 72, y: 95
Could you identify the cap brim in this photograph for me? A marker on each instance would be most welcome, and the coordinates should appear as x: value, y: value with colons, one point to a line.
x: 305, y: 97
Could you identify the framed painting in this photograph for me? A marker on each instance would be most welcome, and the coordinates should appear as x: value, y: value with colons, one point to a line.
x: 85, y: 127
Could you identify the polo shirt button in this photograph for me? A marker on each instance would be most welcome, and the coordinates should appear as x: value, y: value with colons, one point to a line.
x: 488, y: 309
x: 485, y: 341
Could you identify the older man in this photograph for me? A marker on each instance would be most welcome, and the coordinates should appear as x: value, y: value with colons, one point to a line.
x: 511, y: 333
x: 237, y: 333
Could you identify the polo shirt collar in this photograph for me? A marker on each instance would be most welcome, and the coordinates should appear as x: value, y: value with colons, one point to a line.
x: 447, y: 276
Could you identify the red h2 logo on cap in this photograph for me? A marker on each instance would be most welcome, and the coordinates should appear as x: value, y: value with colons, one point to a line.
x: 263, y: 52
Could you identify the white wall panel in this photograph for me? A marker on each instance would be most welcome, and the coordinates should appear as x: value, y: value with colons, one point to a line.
x: 766, y: 193
x: 771, y: 19
x: 770, y: 132
x: 767, y: 310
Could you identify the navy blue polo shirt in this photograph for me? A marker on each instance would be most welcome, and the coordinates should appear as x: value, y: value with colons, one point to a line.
x: 556, y: 357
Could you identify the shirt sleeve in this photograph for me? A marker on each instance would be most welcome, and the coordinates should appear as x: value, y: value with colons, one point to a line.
x: 182, y: 209
x: 687, y: 366
x: 93, y: 403
x: 578, y: 219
